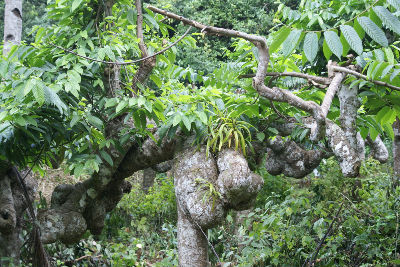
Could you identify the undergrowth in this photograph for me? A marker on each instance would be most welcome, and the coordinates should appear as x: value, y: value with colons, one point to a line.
x: 288, y: 227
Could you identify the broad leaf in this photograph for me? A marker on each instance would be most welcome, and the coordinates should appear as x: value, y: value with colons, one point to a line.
x: 280, y: 37
x: 333, y: 42
x: 326, y: 50
x: 291, y: 42
x: 38, y: 91
x: 395, y: 3
x: 352, y: 38
x: 311, y: 46
x: 75, y: 5
x: 388, y: 18
x: 373, y: 31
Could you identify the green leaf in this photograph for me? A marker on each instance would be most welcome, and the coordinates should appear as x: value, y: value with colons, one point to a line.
x: 74, y: 120
x: 94, y: 121
x: 121, y: 105
x: 186, y: 122
x: 203, y: 117
x: 311, y: 46
x: 29, y: 85
x: 177, y: 119
x: 260, y: 136
x: 75, y: 5
x: 107, y: 157
x: 52, y: 98
x: 326, y: 50
x: 291, y: 42
x: 388, y: 18
x: 373, y: 31
x: 156, y: 80
x: 333, y: 42
x: 394, y: 3
x: 357, y: 27
x: 141, y: 101
x: 346, y: 46
x: 352, y: 38
x: 279, y: 38
x: 38, y: 91
x: 3, y: 68
x: 389, y: 55
x: 109, y: 53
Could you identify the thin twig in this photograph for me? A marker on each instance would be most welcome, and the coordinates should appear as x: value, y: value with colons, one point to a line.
x: 355, y: 208
x: 128, y: 62
x: 317, y: 79
x: 321, y: 242
x: 362, y: 76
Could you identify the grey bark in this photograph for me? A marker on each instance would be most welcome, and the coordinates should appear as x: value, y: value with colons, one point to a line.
x: 83, y: 206
x: 289, y: 158
x: 192, y: 244
x: 12, y: 208
x: 235, y: 187
x: 378, y: 149
x: 12, y: 205
x: 148, y: 179
x: 12, y: 24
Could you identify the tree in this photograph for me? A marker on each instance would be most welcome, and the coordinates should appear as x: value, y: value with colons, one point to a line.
x: 74, y: 96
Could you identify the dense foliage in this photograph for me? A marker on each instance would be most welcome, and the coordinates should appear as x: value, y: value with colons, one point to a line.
x: 59, y: 96
x: 289, y: 221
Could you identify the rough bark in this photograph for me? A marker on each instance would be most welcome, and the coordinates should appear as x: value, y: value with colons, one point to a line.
x: 234, y: 186
x: 148, y: 179
x: 194, y: 173
x: 192, y: 244
x: 12, y: 204
x: 163, y: 166
x: 236, y: 183
x: 83, y: 206
x: 351, y: 150
x: 12, y: 208
x: 289, y: 158
x: 12, y: 24
x: 378, y: 149
x: 396, y: 150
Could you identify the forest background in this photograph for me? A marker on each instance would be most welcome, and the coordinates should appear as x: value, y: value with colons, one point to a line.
x: 333, y: 220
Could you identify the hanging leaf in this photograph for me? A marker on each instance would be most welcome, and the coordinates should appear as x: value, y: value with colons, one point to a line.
x: 346, y: 46
x: 374, y: 17
x: 388, y: 18
x: 326, y: 50
x: 280, y: 37
x: 360, y: 31
x: 333, y: 42
x: 311, y: 46
x: 38, y: 91
x: 75, y: 5
x: 106, y: 157
x: 52, y: 98
x: 389, y: 55
x: 373, y: 31
x: 394, y: 3
x: 352, y: 38
x: 291, y: 42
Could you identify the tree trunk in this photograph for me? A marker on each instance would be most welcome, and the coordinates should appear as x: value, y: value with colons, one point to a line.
x: 9, y: 241
x: 148, y: 179
x: 396, y: 151
x: 192, y: 244
x: 12, y: 24
x: 12, y: 208
x: 11, y: 204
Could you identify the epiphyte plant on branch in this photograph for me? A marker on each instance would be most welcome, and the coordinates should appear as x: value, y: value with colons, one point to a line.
x: 78, y: 94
